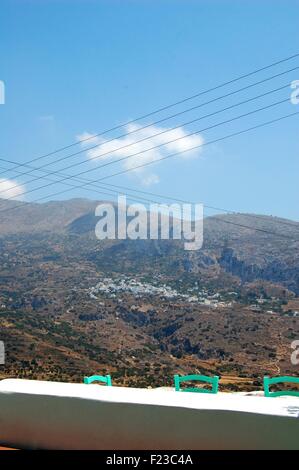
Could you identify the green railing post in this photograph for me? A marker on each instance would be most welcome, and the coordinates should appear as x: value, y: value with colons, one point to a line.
x: 215, y: 384
x: 177, y: 383
x: 266, y: 386
x: 109, y: 381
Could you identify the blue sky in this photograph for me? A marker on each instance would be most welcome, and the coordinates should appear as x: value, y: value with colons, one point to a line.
x: 75, y: 67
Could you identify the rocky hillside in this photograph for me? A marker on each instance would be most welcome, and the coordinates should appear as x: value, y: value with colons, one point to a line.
x: 71, y: 305
x: 230, y: 250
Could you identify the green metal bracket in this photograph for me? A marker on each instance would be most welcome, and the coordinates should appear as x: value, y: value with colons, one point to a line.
x: 283, y: 379
x: 214, y: 381
x: 99, y: 378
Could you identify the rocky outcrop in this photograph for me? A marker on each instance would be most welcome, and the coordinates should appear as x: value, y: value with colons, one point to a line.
x: 275, y: 271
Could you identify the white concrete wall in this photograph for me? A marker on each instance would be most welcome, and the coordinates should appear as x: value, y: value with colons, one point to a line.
x: 47, y: 415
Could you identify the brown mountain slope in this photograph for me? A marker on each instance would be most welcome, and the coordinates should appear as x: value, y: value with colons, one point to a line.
x: 53, y: 327
x: 229, y: 248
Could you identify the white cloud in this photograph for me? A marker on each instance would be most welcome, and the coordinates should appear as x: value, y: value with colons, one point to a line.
x: 11, y: 189
x: 150, y: 179
x: 127, y: 146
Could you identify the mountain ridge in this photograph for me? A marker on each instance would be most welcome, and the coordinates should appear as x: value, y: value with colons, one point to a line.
x: 228, y: 248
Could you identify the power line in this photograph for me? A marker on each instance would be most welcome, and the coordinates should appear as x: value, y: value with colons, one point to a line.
x: 176, y: 153
x: 103, y: 186
x: 204, y: 144
x: 32, y: 169
x: 152, y: 124
x: 92, y: 189
x: 184, y: 201
x: 218, y: 220
x: 145, y: 150
x: 173, y: 155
